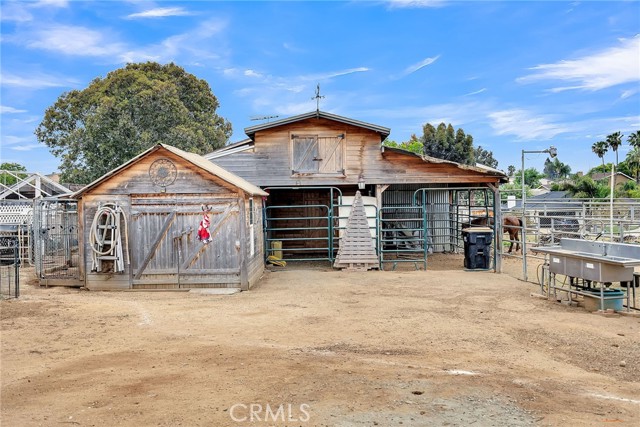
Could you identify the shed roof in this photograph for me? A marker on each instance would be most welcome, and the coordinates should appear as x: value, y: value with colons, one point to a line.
x: 485, y: 170
x: 192, y: 158
x: 383, y: 131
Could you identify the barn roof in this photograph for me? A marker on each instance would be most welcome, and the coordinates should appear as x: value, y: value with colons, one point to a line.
x: 383, y: 131
x: 192, y: 158
x: 486, y: 170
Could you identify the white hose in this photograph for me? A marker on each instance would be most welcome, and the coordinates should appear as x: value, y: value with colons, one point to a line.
x: 97, y: 235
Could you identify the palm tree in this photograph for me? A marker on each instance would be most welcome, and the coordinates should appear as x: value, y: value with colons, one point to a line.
x: 634, y: 139
x: 633, y: 161
x: 562, y: 169
x: 614, y: 141
x: 600, y: 148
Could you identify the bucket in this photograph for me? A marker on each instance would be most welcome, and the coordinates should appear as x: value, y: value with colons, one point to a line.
x: 276, y: 249
x: 593, y: 304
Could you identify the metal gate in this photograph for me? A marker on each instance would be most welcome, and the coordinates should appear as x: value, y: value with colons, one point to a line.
x: 403, y: 231
x: 55, y: 241
x: 9, y: 267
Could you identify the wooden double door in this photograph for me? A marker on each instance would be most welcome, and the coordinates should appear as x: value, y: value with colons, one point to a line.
x: 165, y: 250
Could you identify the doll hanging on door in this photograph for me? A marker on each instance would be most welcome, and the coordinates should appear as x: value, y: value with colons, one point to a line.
x: 203, y: 230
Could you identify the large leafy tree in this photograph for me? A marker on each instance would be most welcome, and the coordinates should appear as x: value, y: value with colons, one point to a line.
x: 133, y: 108
x: 446, y: 143
x: 554, y: 169
x: 600, y: 148
x: 531, y: 177
x: 485, y: 157
x: 614, y: 141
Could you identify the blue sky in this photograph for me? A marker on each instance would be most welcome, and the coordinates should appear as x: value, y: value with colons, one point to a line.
x: 515, y: 75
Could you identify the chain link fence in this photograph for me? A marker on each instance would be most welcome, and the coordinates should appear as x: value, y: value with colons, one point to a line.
x: 549, y: 219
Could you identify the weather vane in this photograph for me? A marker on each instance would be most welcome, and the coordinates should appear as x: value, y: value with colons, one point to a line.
x: 317, y: 98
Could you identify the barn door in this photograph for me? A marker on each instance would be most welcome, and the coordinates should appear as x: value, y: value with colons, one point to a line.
x: 317, y: 154
x: 166, y: 252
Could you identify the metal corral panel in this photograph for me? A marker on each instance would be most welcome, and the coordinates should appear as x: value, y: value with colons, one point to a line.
x: 438, y: 211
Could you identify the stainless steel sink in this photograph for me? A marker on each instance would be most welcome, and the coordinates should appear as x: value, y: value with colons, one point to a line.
x: 587, y: 260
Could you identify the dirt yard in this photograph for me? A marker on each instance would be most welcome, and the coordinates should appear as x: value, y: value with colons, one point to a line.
x: 316, y: 347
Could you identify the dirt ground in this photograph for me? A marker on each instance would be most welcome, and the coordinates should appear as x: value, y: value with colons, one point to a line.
x: 315, y: 347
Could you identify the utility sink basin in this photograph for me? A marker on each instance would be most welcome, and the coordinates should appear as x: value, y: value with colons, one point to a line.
x: 574, y: 259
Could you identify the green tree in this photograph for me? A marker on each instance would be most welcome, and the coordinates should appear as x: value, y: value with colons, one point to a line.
x: 554, y: 169
x: 586, y: 188
x: 531, y: 177
x: 446, y: 143
x: 511, y: 170
x: 633, y: 162
x: 13, y: 173
x: 133, y: 108
x: 600, y: 148
x: 485, y: 157
x: 634, y: 139
x: 614, y: 141
x: 412, y: 145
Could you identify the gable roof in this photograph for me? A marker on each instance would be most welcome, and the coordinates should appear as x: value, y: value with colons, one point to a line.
x: 478, y: 168
x: 192, y: 158
x: 383, y: 131
x: 32, y: 184
x: 606, y: 175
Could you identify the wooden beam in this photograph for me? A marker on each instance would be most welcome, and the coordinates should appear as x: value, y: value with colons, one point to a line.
x: 244, y: 274
x: 156, y: 243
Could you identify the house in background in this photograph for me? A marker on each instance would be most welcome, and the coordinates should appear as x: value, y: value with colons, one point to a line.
x: 620, y: 178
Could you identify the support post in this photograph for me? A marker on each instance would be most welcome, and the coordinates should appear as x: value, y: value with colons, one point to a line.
x: 497, y: 228
x: 244, y: 274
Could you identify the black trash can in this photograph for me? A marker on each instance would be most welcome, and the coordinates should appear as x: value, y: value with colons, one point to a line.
x: 477, y: 248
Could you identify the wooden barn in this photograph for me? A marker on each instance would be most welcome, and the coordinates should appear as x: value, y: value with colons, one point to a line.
x: 170, y: 219
x: 312, y: 165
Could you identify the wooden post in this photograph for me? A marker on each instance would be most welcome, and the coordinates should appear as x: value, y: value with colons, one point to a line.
x: 497, y: 226
x: 244, y: 274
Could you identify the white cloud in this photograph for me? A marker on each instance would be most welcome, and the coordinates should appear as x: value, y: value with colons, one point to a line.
x: 37, y: 81
x: 332, y: 74
x: 415, y: 67
x: 83, y: 41
x: 26, y: 147
x: 525, y: 125
x: 252, y: 73
x: 16, y: 12
x: 628, y: 93
x: 484, y: 89
x: 10, y: 110
x: 609, y: 67
x: 73, y: 40
x: 51, y: 3
x: 160, y: 12
x: 413, y: 4
x: 12, y: 139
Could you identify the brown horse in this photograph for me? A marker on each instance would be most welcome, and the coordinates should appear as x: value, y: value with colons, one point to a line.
x: 510, y: 224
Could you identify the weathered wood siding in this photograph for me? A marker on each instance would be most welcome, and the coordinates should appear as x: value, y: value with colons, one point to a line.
x: 162, y: 230
x: 270, y: 162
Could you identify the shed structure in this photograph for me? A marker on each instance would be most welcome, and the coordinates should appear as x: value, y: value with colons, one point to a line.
x: 312, y: 162
x: 149, y: 211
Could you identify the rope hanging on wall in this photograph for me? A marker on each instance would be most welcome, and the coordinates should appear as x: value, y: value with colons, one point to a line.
x: 105, y: 237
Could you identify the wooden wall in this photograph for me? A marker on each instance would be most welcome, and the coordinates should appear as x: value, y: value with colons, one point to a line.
x: 269, y: 163
x: 162, y: 229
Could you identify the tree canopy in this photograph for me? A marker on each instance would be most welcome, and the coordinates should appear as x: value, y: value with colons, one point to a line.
x: 446, y: 143
x: 10, y: 178
x: 115, y: 118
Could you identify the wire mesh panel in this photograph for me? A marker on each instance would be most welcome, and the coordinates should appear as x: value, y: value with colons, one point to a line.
x: 9, y: 267
x: 55, y: 225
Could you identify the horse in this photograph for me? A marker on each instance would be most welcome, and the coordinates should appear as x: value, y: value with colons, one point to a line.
x: 510, y: 224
